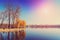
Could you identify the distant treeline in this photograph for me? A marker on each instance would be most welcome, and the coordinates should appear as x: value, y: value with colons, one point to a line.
x: 43, y: 26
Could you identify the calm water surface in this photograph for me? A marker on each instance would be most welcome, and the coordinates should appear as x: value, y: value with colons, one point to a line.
x: 42, y: 34
x: 33, y: 34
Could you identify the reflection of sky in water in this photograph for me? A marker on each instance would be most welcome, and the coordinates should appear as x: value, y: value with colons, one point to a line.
x: 5, y: 36
x: 42, y: 33
x: 39, y: 33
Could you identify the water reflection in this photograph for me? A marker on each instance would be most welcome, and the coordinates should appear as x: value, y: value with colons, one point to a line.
x: 18, y: 35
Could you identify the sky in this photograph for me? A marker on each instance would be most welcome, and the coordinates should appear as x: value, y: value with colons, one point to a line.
x: 40, y: 12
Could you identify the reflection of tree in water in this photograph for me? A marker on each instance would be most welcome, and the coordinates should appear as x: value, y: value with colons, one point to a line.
x: 20, y: 35
x: 0, y: 36
x: 13, y: 35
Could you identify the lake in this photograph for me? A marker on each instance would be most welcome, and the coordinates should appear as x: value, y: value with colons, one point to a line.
x: 32, y: 34
x: 42, y: 34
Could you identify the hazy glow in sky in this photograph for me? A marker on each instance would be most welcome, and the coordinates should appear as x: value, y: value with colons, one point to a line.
x: 37, y: 11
